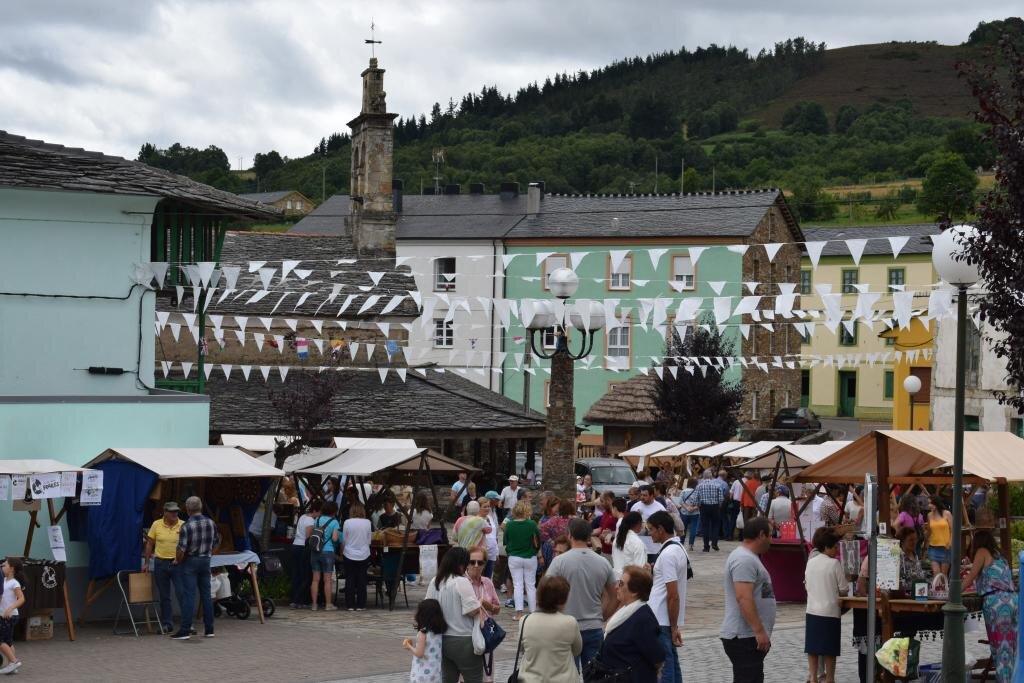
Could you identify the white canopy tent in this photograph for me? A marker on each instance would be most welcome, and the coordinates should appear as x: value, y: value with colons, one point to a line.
x: 657, y: 453
x: 191, y: 463
x: 254, y: 443
x: 41, y: 466
x: 365, y: 462
x: 755, y: 450
x: 724, y: 448
x: 366, y: 442
x: 309, y: 457
x: 798, y: 456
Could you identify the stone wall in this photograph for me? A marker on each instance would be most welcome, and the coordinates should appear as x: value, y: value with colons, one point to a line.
x: 780, y: 386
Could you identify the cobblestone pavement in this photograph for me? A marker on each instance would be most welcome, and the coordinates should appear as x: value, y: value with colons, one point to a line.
x: 299, y: 645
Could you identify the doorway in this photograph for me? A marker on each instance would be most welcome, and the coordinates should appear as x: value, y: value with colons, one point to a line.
x: 847, y: 393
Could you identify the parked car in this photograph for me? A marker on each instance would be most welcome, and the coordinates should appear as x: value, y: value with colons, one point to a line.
x: 609, y: 474
x: 796, y: 418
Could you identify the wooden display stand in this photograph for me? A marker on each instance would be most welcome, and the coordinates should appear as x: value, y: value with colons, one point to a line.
x: 33, y: 524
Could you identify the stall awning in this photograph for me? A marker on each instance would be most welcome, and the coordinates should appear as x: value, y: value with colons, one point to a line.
x: 755, y: 450
x: 255, y: 443
x: 798, y: 455
x: 41, y: 466
x: 309, y: 457
x: 658, y: 453
x: 365, y: 462
x: 724, y: 448
x: 649, y: 448
x: 684, y: 448
x: 366, y: 442
x: 988, y: 455
x: 187, y: 463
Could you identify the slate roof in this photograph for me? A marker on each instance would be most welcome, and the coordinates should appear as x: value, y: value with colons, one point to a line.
x: 492, y: 216
x: 267, y: 197
x: 439, y: 402
x: 30, y: 164
x: 632, y: 402
x: 919, y: 242
x: 319, y: 254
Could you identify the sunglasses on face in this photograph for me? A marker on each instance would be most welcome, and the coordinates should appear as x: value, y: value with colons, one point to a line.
x: 477, y: 563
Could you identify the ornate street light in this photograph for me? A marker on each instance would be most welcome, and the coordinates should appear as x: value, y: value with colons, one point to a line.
x: 540, y: 316
x: 912, y: 385
x: 947, y: 257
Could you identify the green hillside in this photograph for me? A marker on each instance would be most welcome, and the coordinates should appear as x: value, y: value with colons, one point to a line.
x: 797, y: 116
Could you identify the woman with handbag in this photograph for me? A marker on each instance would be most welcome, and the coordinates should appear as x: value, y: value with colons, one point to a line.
x: 484, y: 591
x: 689, y: 510
x: 461, y: 612
x: 631, y: 650
x: 550, y: 638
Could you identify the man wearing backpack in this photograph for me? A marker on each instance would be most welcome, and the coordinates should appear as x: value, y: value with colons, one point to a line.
x: 668, y: 595
x: 321, y: 543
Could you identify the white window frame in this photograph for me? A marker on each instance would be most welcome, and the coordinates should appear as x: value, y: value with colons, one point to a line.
x: 615, y: 277
x: 441, y: 283
x: 622, y: 362
x: 444, y: 334
x: 288, y: 204
x: 551, y: 264
x: 689, y: 279
x: 298, y: 205
x: 549, y: 338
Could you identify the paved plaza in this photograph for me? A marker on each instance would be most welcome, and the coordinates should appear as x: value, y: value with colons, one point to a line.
x: 299, y: 645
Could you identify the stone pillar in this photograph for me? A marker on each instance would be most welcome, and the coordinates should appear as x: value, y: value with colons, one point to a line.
x: 560, y: 439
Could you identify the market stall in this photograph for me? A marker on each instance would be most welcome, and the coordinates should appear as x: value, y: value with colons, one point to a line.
x: 661, y: 454
x: 136, y: 483
x: 403, y: 463
x: 26, y: 483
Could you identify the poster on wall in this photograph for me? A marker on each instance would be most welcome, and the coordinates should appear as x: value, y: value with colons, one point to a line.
x: 887, y: 576
x: 18, y: 486
x: 56, y: 536
x: 68, y: 484
x: 92, y: 487
x: 45, y: 485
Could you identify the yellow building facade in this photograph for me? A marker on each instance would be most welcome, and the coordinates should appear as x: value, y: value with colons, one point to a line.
x: 917, y: 344
x: 864, y: 379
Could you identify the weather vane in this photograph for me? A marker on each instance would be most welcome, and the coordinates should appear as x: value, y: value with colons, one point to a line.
x: 370, y: 41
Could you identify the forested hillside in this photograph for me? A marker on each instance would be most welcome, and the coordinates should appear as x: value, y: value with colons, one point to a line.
x: 797, y: 116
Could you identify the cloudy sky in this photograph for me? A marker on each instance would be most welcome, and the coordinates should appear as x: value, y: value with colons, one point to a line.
x: 249, y: 75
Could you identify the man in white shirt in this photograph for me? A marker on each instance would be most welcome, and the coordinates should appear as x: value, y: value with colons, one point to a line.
x: 668, y: 595
x: 647, y: 505
x: 459, y: 493
x: 509, y: 498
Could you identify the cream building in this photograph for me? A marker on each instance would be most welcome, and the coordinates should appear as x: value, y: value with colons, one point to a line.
x: 861, y: 389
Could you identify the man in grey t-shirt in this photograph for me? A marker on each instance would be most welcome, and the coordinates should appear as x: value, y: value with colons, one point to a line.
x: 591, y: 588
x: 749, y: 604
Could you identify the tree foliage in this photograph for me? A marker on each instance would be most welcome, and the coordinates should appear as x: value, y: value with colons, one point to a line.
x: 948, y: 188
x: 999, y: 248
x: 697, y: 406
x: 806, y: 117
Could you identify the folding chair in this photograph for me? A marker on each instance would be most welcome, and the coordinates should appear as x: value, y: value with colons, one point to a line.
x: 136, y: 591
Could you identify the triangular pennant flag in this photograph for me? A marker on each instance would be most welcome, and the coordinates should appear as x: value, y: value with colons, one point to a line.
x: 814, y: 250
x: 353, y: 349
x: 617, y: 257
x: 542, y: 256
x: 205, y: 270
x: 256, y: 265
x: 186, y: 368
x: 384, y: 328
x: 265, y: 371
x: 383, y: 372
x: 772, y: 249
x: 695, y: 253
x: 240, y: 336
x: 241, y: 321
x: 196, y: 292
x: 656, y: 255
x: 302, y: 300
x: 258, y: 296
x: 393, y: 304
x: 375, y: 277
x: 230, y: 275
x: 175, y: 330
x: 291, y: 323
x: 279, y: 341
x: 856, y: 248
x: 266, y: 275
x: 345, y: 304
x: 283, y: 370
x: 246, y: 369
x: 896, y: 243
x: 369, y: 351
x: 283, y: 297
x: 303, y: 274
x: 740, y: 249
x: 226, y: 368
x: 217, y: 320
x: 258, y: 336
x: 751, y: 286
x: 161, y: 319
x: 287, y: 267
x: 318, y: 325
x: 370, y: 302
x: 576, y: 257
x: 717, y: 286
x: 159, y: 270
x: 319, y: 345
x: 207, y: 369
x: 507, y: 259
x: 180, y: 291
x: 401, y: 373
x: 166, y: 365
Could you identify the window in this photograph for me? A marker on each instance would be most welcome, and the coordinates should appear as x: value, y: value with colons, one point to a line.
x: 972, y: 423
x: 444, y: 334
x: 753, y: 405
x: 553, y: 263
x: 298, y: 205
x: 805, y: 388
x: 973, y: 369
x: 786, y: 396
x: 619, y: 278
x: 891, y: 340
x: 682, y: 272
x: 288, y: 204
x: 845, y: 338
x: 550, y: 338
x: 444, y: 274
x: 805, y: 282
x: 850, y: 278
x: 897, y: 276
x: 618, y: 351
x: 1017, y: 426
x: 887, y: 388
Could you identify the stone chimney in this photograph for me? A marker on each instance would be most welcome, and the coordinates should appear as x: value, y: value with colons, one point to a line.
x: 533, y: 197
x: 372, y: 213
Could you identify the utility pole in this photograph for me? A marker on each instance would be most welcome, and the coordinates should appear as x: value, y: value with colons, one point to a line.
x: 682, y: 175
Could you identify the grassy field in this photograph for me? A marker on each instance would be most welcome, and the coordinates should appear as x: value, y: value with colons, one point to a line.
x: 879, y: 190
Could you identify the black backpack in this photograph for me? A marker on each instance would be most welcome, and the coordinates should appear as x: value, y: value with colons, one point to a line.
x: 689, y: 565
x: 316, y: 538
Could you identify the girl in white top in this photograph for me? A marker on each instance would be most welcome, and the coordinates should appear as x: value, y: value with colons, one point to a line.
x: 628, y: 549
x: 426, y: 649
x: 13, y: 598
x: 421, y: 513
x: 825, y: 582
x: 356, y: 538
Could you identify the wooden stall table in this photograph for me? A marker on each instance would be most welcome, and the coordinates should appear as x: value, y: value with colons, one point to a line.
x: 786, y: 561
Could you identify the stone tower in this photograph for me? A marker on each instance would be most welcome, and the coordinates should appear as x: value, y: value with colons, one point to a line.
x: 372, y: 217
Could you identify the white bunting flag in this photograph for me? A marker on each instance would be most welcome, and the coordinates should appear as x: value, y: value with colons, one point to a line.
x: 740, y: 249
x: 292, y: 323
x: 370, y: 302
x: 246, y: 369
x: 265, y: 371
x: 241, y: 321
x: 401, y: 373
x: 695, y: 253
x: 383, y: 372
x: 576, y: 257
x: 656, y: 255
x: 688, y: 308
x: 718, y: 286
x: 747, y: 304
x: 348, y: 301
x: 722, y: 305
x: 279, y: 340
x: 617, y: 256
x: 542, y: 256
x: 256, y: 265
x: 161, y: 319
x: 353, y: 349
x: 772, y: 249
x: 369, y: 351
x: 283, y: 297
x: 207, y: 369
x: 166, y: 365
x: 384, y: 328
x: 266, y: 275
x: 258, y: 296
x: 240, y: 336
x: 506, y: 259
x: 226, y: 368
x: 159, y: 270
x: 393, y: 304
x: 303, y: 273
x: 175, y: 330
x: 230, y: 275
x: 375, y: 277
x: 902, y: 304
x: 283, y: 370
x: 751, y: 286
x: 896, y: 243
x: 302, y: 300
x: 319, y: 343
x: 186, y: 369
x: 814, y: 250
x: 856, y: 248
x: 204, y: 270
x: 287, y: 267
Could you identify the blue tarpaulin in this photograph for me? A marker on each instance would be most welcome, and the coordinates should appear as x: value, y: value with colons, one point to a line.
x: 114, y: 528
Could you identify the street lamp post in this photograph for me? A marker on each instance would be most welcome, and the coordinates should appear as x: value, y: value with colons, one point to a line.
x: 912, y: 385
x: 540, y: 316
x: 949, y: 264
